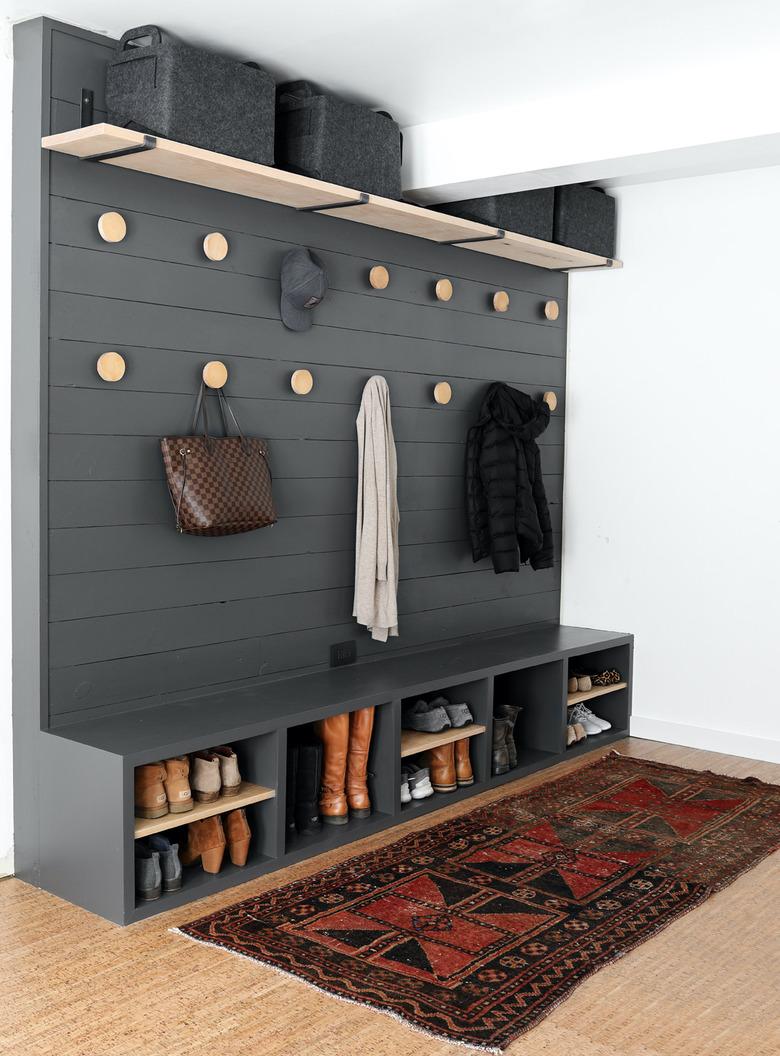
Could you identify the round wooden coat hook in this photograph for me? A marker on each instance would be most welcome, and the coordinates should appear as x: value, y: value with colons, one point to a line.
x: 500, y: 301
x: 215, y: 374
x: 551, y: 310
x: 551, y: 400
x: 442, y: 392
x: 111, y: 366
x: 112, y: 227
x: 215, y: 246
x: 379, y: 277
x: 301, y: 382
x: 443, y: 290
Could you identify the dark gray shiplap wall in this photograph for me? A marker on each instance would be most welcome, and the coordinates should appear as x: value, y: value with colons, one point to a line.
x: 139, y: 614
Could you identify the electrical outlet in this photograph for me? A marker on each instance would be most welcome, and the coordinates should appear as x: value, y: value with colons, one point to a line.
x: 343, y: 653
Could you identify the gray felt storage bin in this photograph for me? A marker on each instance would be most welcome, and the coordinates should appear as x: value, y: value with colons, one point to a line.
x: 524, y: 212
x: 323, y: 136
x: 585, y: 219
x: 192, y: 96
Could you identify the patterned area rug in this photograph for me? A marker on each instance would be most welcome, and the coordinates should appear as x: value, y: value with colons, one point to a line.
x: 475, y: 929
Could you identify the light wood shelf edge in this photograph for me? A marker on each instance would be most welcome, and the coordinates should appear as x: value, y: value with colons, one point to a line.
x: 412, y: 741
x: 187, y: 164
x: 597, y: 691
x: 249, y: 794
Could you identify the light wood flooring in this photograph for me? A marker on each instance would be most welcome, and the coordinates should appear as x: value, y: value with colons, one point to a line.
x: 74, y: 985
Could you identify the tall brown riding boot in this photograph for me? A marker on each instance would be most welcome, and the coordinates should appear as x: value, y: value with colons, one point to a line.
x: 361, y: 724
x: 441, y: 763
x: 150, y: 798
x: 205, y: 840
x: 463, y: 772
x: 334, y: 734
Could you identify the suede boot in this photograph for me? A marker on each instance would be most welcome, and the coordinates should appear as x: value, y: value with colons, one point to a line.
x: 170, y: 866
x: 150, y: 798
x: 510, y: 713
x: 334, y: 734
x: 441, y: 763
x: 307, y: 788
x: 500, y: 748
x: 291, y: 788
x: 205, y: 840
x: 205, y: 778
x: 148, y: 878
x: 463, y: 772
x: 238, y: 834
x: 228, y: 770
x: 177, y: 784
x: 361, y: 725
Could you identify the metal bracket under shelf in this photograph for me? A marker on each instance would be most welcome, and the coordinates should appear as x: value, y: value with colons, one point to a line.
x: 149, y: 143
x: 480, y: 238
x: 362, y: 200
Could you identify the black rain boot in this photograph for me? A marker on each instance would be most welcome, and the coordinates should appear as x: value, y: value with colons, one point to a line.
x: 510, y: 713
x: 307, y: 788
x: 500, y: 748
x: 292, y: 780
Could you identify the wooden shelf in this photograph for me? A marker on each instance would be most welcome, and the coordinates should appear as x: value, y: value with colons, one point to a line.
x: 413, y: 742
x: 177, y: 161
x: 249, y: 794
x: 597, y: 691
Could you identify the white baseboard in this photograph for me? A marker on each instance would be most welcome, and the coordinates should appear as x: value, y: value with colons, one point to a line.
x: 7, y: 864
x: 710, y: 740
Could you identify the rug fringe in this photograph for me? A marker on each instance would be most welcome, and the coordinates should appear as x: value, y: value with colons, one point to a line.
x: 340, y: 997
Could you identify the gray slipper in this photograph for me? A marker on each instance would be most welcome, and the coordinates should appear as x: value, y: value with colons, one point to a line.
x: 425, y: 718
x: 459, y: 714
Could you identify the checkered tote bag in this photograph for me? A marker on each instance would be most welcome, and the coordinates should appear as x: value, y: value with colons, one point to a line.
x: 219, y: 485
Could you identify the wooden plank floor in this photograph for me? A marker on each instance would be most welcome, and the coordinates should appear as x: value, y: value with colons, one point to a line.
x: 75, y: 985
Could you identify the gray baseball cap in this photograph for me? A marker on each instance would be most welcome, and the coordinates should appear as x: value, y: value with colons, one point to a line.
x: 304, y: 284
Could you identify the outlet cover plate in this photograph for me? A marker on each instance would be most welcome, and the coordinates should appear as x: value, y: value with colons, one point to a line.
x: 343, y: 653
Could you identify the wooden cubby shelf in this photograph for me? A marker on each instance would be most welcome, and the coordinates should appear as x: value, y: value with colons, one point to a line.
x: 249, y: 794
x: 127, y: 149
x: 591, y: 694
x: 412, y: 741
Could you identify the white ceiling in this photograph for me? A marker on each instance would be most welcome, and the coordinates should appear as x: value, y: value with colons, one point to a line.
x: 436, y: 59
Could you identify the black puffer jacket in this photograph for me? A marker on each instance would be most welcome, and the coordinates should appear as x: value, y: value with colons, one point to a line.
x: 506, y: 503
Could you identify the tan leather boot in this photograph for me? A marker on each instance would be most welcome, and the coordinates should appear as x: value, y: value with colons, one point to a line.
x: 150, y: 798
x: 238, y: 834
x: 177, y: 784
x: 205, y: 779
x: 334, y: 734
x: 361, y: 725
x: 228, y: 770
x: 205, y: 840
x: 441, y: 763
x: 463, y: 772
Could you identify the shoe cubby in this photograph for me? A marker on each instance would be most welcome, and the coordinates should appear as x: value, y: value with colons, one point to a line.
x: 326, y: 835
x: 539, y: 727
x: 612, y: 702
x: 414, y: 744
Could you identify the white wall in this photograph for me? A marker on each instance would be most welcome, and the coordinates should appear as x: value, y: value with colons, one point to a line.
x: 6, y: 820
x: 672, y: 487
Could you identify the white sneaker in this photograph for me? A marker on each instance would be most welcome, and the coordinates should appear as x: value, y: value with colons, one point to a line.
x: 579, y: 713
x: 597, y: 719
x: 405, y: 794
x: 422, y: 789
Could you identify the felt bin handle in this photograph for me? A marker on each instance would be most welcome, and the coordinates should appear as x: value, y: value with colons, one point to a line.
x: 130, y: 38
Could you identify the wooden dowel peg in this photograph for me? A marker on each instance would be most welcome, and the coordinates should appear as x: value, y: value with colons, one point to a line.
x: 215, y: 246
x: 112, y: 227
x: 379, y: 277
x: 443, y: 290
x: 551, y: 400
x: 442, y: 392
x: 500, y: 301
x: 111, y: 366
x: 551, y: 310
x: 215, y: 374
x: 301, y: 382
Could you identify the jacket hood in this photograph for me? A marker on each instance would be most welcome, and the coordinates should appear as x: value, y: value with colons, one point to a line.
x: 524, y: 416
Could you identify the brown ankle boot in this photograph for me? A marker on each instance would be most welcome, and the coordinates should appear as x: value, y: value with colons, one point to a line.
x: 205, y: 840
x: 150, y: 798
x: 441, y: 763
x: 361, y: 724
x: 238, y: 834
x: 463, y: 772
x: 334, y: 734
x: 177, y: 784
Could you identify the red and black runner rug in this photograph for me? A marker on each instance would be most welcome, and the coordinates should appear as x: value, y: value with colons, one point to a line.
x: 476, y: 928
